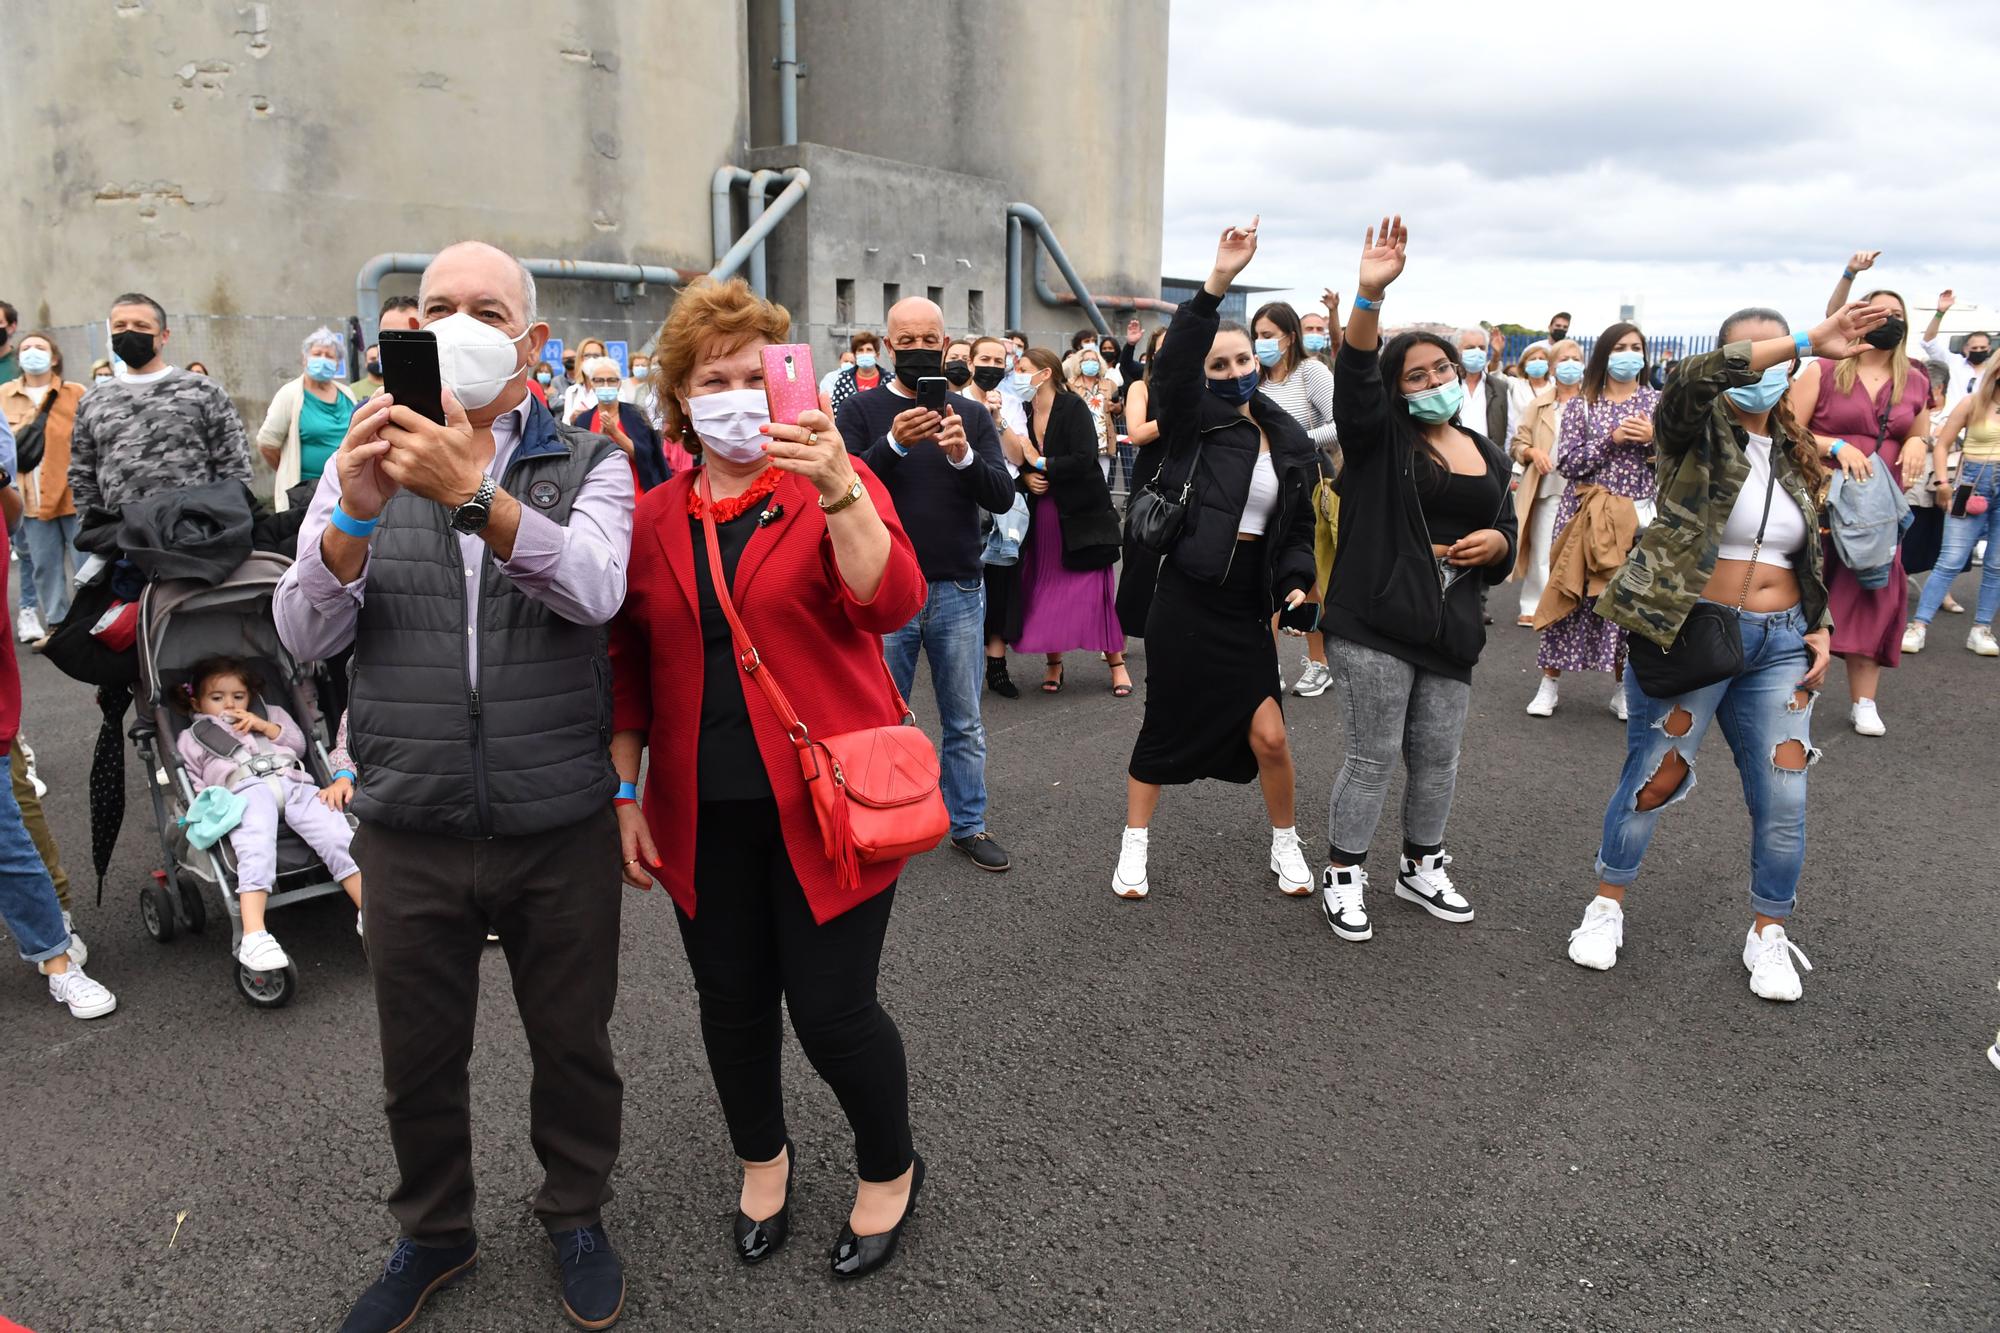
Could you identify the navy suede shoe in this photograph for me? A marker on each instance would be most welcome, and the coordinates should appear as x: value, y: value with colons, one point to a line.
x: 593, y: 1278
x: 413, y: 1272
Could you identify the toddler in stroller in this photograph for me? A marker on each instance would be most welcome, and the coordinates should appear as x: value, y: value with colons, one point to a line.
x: 260, y: 759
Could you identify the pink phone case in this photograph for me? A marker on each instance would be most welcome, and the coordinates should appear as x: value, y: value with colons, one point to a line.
x: 789, y: 383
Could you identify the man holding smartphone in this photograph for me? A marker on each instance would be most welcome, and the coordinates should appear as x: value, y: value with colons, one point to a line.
x: 941, y: 467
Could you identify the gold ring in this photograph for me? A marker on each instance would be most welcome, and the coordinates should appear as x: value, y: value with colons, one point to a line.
x: 812, y: 438
x: 631, y: 860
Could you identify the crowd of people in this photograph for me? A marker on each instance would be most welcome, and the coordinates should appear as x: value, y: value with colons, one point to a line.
x: 599, y: 627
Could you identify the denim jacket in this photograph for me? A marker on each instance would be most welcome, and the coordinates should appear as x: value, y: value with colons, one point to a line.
x: 1701, y: 469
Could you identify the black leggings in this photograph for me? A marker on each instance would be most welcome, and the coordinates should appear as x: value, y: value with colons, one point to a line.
x: 752, y: 939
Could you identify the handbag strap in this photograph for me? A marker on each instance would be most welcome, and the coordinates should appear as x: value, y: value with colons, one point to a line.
x: 1757, y: 546
x: 746, y: 652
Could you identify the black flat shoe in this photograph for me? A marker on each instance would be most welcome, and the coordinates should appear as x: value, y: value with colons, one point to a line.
x: 858, y: 1256
x: 757, y: 1241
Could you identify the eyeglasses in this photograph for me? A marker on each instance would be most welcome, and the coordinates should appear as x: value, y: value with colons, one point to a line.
x: 1416, y: 378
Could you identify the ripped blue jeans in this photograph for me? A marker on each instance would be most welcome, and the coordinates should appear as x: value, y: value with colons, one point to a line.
x: 1762, y: 709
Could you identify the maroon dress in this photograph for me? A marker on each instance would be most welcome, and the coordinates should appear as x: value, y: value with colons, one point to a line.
x: 1868, y: 622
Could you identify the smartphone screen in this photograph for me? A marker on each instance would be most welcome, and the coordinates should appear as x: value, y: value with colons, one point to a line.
x: 790, y: 387
x: 1959, y: 497
x: 1304, y: 616
x: 410, y: 370
x: 931, y: 390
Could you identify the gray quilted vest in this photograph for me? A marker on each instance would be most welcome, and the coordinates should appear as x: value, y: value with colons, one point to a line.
x: 526, y: 752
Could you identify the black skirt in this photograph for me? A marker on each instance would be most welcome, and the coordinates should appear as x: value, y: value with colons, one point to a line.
x: 1210, y: 665
x: 1003, y: 602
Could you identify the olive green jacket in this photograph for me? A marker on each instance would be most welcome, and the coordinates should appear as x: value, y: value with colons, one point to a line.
x: 1701, y: 469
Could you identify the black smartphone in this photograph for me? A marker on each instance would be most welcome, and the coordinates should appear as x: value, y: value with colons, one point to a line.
x: 1304, y: 617
x: 931, y: 390
x: 1959, y: 497
x: 410, y: 370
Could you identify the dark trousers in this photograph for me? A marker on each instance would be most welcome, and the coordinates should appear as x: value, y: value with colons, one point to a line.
x: 554, y: 900
x: 753, y: 939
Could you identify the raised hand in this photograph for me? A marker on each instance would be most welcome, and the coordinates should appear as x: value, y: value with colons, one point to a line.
x: 1331, y: 300
x: 1946, y: 300
x: 1862, y: 260
x: 1236, y: 249
x: 1383, y: 252
x: 1133, y: 332
x: 365, y: 488
x: 1840, y: 334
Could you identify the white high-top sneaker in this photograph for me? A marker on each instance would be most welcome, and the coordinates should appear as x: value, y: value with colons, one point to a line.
x: 1340, y: 891
x: 1424, y: 882
x: 1129, y: 880
x: 1288, y: 863
x: 1544, y: 702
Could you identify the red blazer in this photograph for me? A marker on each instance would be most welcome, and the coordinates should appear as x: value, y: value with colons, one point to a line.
x: 820, y: 644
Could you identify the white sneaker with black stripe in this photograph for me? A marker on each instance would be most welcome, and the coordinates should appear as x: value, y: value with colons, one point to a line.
x: 1424, y: 882
x: 1341, y: 890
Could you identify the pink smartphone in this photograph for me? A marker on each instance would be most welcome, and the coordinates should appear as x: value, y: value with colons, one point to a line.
x: 789, y: 383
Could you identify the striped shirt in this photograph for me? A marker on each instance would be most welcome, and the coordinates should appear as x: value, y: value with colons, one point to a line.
x: 1307, y: 394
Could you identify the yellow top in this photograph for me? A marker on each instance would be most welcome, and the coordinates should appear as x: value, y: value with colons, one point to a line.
x: 1982, y: 439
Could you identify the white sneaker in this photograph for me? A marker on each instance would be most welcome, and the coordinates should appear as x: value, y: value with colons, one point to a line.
x: 1618, y: 709
x: 1129, y: 880
x: 1913, y: 636
x: 1424, y: 883
x: 1340, y: 893
x: 85, y: 998
x: 260, y: 952
x: 357, y: 925
x: 1544, y: 703
x: 1993, y: 1053
x: 1769, y: 958
x: 78, y: 951
x: 1981, y: 641
x: 27, y: 754
x: 1867, y: 720
x: 1314, y: 681
x: 28, y: 627
x: 1288, y: 863
x: 1595, y: 943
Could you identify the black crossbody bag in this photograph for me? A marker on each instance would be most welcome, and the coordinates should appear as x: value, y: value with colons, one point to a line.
x: 1710, y: 645
x: 1154, y: 519
x: 32, y: 442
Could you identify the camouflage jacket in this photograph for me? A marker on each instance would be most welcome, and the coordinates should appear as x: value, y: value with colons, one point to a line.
x: 1701, y: 469
x: 135, y: 440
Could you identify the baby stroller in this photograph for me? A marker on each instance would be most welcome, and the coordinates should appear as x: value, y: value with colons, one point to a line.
x: 182, y: 622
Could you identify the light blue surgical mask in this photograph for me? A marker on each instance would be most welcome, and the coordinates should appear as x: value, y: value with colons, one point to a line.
x: 865, y: 360
x: 1625, y: 366
x: 1089, y: 368
x: 1268, y: 351
x: 321, y: 367
x: 1535, y: 369
x: 543, y: 377
x: 1317, y: 342
x: 1473, y: 360
x: 1439, y: 404
x: 606, y: 393
x: 1569, y: 372
x: 36, y: 360
x: 1765, y: 393
x: 1020, y: 385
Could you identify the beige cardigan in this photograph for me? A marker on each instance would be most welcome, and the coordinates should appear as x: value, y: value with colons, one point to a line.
x: 280, y: 431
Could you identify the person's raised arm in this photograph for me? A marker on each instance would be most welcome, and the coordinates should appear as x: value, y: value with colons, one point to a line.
x: 1932, y: 347
x: 1178, y: 378
x: 1383, y: 254
x: 1859, y: 262
x: 1360, y: 403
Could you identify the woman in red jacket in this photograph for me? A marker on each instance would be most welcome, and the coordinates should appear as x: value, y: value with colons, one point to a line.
x: 819, y: 568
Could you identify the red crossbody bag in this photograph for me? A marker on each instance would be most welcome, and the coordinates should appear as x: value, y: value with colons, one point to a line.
x: 874, y: 791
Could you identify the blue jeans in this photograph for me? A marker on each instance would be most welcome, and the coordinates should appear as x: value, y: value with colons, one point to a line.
x: 1960, y: 536
x: 1759, y: 711
x: 26, y: 556
x: 951, y: 631
x: 49, y: 561
x: 27, y: 897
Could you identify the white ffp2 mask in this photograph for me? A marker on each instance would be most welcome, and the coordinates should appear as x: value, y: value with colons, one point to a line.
x: 475, y: 360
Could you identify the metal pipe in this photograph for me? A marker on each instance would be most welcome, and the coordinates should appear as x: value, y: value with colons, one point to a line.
x: 787, y: 65
x: 721, y: 216
x: 1031, y: 215
x: 1013, y: 272
x: 760, y: 183
x: 753, y: 236
x: 368, y: 281
x: 368, y: 286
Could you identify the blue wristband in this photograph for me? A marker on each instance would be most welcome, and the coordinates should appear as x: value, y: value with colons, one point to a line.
x: 352, y: 526
x: 627, y: 791
x: 1803, y: 341
x: 347, y: 773
x: 1363, y: 303
x: 1849, y: 274
x: 1835, y: 448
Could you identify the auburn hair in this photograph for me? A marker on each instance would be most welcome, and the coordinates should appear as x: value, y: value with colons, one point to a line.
x: 709, y: 319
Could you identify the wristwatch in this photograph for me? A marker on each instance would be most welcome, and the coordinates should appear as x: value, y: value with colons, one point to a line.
x: 854, y: 492
x: 471, y: 516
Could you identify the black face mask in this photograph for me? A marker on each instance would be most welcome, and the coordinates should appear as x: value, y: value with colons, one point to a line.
x: 375, y: 369
x: 1977, y: 356
x: 916, y: 363
x: 958, y: 372
x: 1557, y: 335
x: 1888, y: 335
x: 988, y: 377
x: 135, y: 349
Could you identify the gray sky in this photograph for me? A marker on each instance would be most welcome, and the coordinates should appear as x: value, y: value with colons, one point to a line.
x: 1691, y: 157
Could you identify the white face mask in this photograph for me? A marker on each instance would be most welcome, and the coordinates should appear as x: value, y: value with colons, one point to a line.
x: 475, y: 360
x: 729, y: 422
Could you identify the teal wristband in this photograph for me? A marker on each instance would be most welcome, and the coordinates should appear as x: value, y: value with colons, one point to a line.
x: 352, y: 526
x: 347, y: 773
x: 1803, y: 341
x: 1849, y: 274
x: 1834, y: 448
x: 627, y: 791
x: 1363, y: 303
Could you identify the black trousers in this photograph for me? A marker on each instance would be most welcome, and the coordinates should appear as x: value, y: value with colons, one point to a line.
x: 554, y: 900
x: 753, y: 939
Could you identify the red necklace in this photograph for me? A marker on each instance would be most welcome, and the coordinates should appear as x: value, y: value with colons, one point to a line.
x: 724, y: 510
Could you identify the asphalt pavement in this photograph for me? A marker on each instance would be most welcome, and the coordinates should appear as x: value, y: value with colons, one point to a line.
x: 1201, y: 1111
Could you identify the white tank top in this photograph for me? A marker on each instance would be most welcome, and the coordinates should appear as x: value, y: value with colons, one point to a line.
x: 1784, y: 533
x: 1263, y: 501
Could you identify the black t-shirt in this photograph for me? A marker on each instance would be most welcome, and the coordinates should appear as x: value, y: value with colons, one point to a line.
x: 728, y: 765
x: 1461, y: 506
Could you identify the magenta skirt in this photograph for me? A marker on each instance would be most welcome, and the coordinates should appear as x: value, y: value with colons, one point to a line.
x: 1064, y: 610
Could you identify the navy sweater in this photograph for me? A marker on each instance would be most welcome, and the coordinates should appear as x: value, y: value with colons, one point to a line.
x: 938, y: 503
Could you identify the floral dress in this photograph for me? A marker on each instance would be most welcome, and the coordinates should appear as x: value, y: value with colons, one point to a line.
x: 1581, y: 641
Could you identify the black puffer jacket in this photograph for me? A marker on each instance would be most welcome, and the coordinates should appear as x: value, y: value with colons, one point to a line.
x: 1200, y: 431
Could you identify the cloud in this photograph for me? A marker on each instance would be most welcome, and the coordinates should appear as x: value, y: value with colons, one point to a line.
x: 1690, y: 158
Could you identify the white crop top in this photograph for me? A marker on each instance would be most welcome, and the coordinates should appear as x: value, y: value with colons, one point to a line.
x: 1784, y: 533
x: 1263, y: 501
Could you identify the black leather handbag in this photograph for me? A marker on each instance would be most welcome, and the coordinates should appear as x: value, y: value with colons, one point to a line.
x: 1155, y: 519
x: 1709, y: 647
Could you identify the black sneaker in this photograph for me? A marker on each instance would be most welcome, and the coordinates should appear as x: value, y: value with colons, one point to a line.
x: 592, y: 1276
x: 413, y: 1272
x: 985, y: 853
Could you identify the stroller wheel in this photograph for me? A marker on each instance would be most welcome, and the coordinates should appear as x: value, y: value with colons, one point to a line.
x: 266, y: 990
x: 156, y: 909
x: 194, y: 908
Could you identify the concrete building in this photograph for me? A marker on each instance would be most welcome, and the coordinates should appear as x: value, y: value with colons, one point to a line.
x: 241, y: 161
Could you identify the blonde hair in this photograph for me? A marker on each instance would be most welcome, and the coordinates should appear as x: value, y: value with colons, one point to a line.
x: 1846, y: 372
x: 709, y: 319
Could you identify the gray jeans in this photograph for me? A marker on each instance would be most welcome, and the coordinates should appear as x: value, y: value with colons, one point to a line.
x: 1391, y: 706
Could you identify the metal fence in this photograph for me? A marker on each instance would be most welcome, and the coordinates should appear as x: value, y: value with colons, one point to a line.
x: 1656, y: 348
